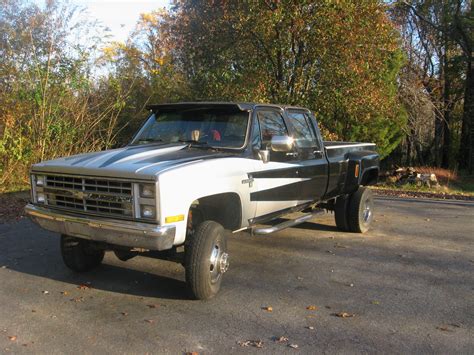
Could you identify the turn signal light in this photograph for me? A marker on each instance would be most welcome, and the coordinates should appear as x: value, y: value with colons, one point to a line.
x: 173, y: 219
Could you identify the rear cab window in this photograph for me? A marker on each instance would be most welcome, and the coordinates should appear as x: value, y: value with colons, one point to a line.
x: 303, y: 130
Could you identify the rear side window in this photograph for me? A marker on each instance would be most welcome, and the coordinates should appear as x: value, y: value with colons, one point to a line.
x: 305, y: 136
x: 271, y: 124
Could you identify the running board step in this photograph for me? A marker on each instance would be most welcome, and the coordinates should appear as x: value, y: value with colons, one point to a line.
x: 286, y: 224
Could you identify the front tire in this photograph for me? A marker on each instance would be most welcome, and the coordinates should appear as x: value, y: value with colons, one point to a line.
x: 361, y: 210
x: 206, y: 260
x: 79, y: 254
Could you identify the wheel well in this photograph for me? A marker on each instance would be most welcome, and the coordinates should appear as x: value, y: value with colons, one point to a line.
x: 370, y: 177
x: 224, y: 208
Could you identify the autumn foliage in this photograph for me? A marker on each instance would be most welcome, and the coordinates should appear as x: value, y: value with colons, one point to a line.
x: 66, y: 89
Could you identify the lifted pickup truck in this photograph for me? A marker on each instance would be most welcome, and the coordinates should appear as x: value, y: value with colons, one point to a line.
x: 194, y: 173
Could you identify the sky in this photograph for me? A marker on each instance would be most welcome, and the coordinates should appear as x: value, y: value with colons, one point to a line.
x: 120, y: 16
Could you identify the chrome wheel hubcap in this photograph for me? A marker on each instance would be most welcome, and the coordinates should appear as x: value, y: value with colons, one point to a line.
x: 367, y: 212
x: 219, y: 262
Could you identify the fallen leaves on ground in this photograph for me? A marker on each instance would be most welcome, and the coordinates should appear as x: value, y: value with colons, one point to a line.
x: 124, y: 313
x: 444, y: 328
x: 12, y: 337
x: 375, y: 302
x: 64, y: 293
x: 344, y: 315
x: 310, y: 328
x: 281, y: 339
x: 152, y: 305
x: 254, y: 343
x: 77, y: 299
x: 418, y: 194
x: 149, y: 321
x: 83, y: 287
x: 312, y: 308
x: 192, y: 353
x: 268, y: 308
x: 294, y: 346
x: 45, y: 292
x: 12, y: 206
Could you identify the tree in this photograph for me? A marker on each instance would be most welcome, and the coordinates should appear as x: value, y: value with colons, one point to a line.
x: 444, y: 30
x: 341, y: 59
x: 50, y: 104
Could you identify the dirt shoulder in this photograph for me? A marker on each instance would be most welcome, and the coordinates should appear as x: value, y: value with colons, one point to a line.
x: 420, y: 194
x: 12, y: 205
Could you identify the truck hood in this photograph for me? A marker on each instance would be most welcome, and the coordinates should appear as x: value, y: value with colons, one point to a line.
x: 142, y: 162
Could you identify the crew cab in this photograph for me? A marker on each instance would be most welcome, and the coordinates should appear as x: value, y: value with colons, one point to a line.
x: 194, y: 173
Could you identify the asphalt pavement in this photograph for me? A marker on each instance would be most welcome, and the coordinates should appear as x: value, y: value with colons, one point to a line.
x: 407, y: 286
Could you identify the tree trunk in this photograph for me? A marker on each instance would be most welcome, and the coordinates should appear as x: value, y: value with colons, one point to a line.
x: 446, y: 134
x: 438, y: 138
x: 466, y: 151
x: 409, y: 149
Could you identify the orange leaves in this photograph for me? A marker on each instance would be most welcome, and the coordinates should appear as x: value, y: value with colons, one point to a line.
x: 344, y: 315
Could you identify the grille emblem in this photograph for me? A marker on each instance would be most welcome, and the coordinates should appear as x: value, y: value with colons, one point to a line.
x: 79, y: 195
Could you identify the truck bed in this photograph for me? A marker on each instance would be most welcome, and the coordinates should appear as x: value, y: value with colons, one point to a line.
x: 338, y: 154
x: 338, y: 150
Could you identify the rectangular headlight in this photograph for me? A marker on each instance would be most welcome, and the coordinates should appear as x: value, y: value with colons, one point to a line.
x: 147, y: 211
x: 39, y: 180
x: 40, y: 197
x: 147, y: 190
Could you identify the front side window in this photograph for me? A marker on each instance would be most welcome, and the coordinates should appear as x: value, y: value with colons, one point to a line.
x: 216, y: 127
x: 271, y: 124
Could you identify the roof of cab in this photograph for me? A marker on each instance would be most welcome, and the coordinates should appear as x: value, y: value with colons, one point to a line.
x: 243, y: 106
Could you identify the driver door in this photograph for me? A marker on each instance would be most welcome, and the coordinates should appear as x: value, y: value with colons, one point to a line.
x: 276, y: 181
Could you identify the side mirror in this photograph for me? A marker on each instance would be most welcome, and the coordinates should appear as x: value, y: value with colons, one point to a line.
x: 264, y: 156
x: 282, y: 144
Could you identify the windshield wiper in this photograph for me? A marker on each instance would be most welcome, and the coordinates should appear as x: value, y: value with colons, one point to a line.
x: 148, y: 140
x: 195, y: 143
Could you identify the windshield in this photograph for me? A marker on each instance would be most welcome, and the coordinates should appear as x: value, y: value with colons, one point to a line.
x: 215, y: 127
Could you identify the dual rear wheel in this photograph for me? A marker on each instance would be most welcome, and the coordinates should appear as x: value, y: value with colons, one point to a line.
x: 354, y: 212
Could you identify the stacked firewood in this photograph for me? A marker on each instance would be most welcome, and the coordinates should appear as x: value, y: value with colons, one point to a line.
x: 403, y: 176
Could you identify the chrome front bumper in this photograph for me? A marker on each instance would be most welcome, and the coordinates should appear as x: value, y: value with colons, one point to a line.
x: 129, y: 234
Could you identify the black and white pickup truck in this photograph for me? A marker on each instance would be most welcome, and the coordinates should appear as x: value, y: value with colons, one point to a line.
x: 194, y: 173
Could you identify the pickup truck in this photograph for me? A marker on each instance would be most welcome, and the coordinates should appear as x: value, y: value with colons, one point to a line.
x: 194, y: 173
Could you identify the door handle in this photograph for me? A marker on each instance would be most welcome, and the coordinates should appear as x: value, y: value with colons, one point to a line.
x: 292, y: 154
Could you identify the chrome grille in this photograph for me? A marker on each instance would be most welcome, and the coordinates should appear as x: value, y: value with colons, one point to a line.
x: 98, y: 196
